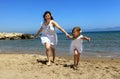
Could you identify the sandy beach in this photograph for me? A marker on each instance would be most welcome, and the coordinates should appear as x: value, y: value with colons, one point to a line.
x: 32, y: 66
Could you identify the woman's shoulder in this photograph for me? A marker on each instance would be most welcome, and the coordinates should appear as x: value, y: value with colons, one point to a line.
x: 52, y: 21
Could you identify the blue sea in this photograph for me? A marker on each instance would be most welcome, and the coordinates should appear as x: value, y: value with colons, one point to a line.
x: 102, y: 44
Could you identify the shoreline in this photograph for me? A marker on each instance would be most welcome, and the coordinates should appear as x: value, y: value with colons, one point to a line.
x: 26, y: 66
x: 65, y: 55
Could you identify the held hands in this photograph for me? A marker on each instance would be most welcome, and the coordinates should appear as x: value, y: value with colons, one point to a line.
x: 68, y: 36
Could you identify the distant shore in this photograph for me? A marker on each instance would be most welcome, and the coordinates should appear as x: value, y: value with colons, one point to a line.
x: 27, y: 66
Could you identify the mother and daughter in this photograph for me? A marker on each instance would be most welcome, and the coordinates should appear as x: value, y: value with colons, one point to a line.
x: 49, y: 38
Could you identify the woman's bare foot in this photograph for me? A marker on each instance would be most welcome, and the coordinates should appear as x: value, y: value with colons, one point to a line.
x: 48, y: 63
x: 53, y: 61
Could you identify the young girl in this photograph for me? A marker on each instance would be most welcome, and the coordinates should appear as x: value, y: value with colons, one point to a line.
x: 76, y: 44
x: 49, y: 36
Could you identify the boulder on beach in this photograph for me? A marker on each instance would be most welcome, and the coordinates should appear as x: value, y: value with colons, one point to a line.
x: 15, y: 36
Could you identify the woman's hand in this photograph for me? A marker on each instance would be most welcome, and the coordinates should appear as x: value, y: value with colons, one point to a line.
x: 69, y: 36
x: 35, y: 36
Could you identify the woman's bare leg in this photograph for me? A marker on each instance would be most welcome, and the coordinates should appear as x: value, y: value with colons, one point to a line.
x: 53, y: 53
x: 47, y: 46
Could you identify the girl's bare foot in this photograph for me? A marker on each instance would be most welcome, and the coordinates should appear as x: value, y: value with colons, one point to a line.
x: 75, y: 67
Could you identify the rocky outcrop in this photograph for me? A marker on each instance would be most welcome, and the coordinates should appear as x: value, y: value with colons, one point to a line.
x: 15, y: 36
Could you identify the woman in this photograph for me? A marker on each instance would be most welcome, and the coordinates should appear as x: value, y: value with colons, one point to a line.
x: 49, y: 36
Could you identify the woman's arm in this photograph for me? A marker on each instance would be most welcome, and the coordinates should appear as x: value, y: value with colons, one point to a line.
x: 61, y: 29
x: 40, y: 30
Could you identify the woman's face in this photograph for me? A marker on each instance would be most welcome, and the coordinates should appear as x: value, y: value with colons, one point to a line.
x: 76, y: 33
x: 47, y: 17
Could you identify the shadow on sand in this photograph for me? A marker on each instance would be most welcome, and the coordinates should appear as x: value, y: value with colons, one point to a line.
x: 66, y: 65
x: 42, y: 61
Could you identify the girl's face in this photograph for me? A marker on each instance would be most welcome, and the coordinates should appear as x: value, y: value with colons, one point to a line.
x: 76, y: 33
x: 47, y: 17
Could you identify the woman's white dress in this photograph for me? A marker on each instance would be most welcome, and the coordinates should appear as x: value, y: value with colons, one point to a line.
x: 49, y: 34
x: 76, y: 44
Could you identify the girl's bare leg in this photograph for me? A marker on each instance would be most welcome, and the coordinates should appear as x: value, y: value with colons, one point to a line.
x: 53, y: 53
x: 78, y: 58
x: 48, y: 52
x: 75, y: 57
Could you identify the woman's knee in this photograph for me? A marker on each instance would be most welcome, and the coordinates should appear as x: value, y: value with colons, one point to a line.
x: 47, y: 46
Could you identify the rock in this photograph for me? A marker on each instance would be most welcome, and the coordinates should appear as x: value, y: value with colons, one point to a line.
x: 26, y: 36
x: 15, y: 36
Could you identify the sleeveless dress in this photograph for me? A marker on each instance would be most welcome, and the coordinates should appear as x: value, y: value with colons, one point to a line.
x: 76, y: 44
x: 49, y: 34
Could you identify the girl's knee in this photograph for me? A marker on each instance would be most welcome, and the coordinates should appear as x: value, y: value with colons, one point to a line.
x: 76, y: 52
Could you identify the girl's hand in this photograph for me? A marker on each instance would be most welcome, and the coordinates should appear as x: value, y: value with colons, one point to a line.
x: 88, y: 40
x: 69, y: 36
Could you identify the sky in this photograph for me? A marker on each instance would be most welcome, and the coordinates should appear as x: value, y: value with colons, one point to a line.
x: 26, y: 15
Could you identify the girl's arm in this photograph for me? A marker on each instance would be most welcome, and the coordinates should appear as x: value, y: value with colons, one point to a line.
x: 86, y: 38
x: 40, y: 30
x: 61, y: 29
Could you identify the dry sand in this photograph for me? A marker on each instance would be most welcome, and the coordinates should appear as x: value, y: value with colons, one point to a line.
x: 32, y: 66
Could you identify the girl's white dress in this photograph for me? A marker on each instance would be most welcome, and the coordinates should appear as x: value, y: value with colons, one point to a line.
x: 77, y: 44
x: 49, y: 34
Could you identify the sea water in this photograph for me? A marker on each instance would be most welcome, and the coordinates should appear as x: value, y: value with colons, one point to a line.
x: 102, y: 44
